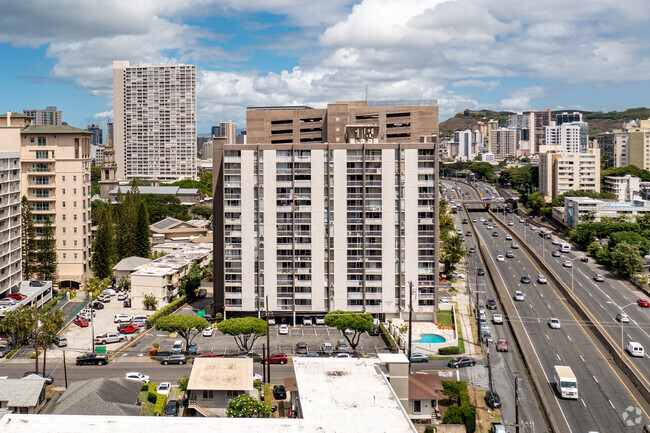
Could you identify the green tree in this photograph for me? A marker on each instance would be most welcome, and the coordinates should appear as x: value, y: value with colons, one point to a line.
x: 201, y: 210
x: 593, y: 248
x: 190, y: 283
x: 356, y: 322
x: 245, y: 406
x: 246, y: 331
x: 454, y: 389
x: 537, y: 202
x: 150, y: 302
x: 18, y: 323
x: 452, y: 253
x: 103, y: 254
x: 142, y: 233
x: 626, y: 259
x: 205, y: 177
x: 28, y: 240
x: 187, y: 326
x: 454, y: 415
x: 127, y: 221
x: 603, y: 255
x: 51, y: 321
x: 468, y: 411
x: 161, y: 207
x: 46, y: 255
x: 483, y: 170
x: 95, y: 177
x: 96, y: 285
x: 632, y: 238
x: 182, y: 383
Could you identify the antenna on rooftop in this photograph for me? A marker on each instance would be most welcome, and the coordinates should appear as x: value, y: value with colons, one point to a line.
x: 366, y: 97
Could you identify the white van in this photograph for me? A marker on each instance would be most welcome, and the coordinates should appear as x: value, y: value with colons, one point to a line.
x: 565, y: 248
x: 178, y: 346
x: 634, y: 349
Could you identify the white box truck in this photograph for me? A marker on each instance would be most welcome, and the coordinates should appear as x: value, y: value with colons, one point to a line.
x: 566, y: 382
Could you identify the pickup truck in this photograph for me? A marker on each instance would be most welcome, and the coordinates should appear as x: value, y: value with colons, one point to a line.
x: 92, y: 359
x: 110, y: 337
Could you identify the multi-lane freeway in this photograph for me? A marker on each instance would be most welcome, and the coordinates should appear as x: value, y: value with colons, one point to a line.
x: 505, y: 366
x: 607, y: 401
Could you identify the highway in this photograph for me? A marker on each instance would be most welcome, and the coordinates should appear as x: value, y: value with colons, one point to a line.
x: 605, y: 394
x: 505, y: 366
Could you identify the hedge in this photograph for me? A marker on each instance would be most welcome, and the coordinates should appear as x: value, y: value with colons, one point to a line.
x: 388, y: 338
x: 453, y: 350
x: 161, y: 402
x: 165, y: 311
x: 153, y: 395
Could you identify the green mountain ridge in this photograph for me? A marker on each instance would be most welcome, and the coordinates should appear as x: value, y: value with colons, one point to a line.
x: 598, y: 121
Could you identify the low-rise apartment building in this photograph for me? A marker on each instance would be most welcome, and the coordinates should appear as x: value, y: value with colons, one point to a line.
x: 625, y: 188
x: 560, y: 172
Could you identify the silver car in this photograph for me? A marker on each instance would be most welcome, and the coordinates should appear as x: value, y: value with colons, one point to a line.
x: 519, y: 296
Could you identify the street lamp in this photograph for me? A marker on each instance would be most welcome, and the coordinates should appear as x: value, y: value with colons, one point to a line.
x: 572, y: 271
x: 526, y: 231
x: 633, y: 303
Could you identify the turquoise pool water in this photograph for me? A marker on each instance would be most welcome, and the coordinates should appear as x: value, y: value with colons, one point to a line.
x: 430, y: 338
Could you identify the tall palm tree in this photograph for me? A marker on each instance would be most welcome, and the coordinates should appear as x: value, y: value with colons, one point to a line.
x: 453, y: 252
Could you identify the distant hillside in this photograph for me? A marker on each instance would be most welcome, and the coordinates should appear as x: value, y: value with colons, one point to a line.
x: 597, y: 120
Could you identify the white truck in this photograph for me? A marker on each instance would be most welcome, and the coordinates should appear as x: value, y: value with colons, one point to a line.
x: 566, y: 382
x: 110, y: 337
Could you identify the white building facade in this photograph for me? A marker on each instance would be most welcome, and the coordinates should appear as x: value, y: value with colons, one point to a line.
x: 10, y: 229
x: 577, y: 207
x: 571, y: 137
x: 323, y: 227
x: 155, y: 121
x: 625, y: 188
x: 562, y: 172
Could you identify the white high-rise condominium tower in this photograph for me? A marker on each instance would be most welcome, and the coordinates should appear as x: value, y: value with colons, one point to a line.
x: 155, y: 121
x: 10, y: 246
x: 571, y: 137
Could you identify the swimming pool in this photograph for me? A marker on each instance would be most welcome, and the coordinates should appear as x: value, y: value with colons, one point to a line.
x: 430, y: 338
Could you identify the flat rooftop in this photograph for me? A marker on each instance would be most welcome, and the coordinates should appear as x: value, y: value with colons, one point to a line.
x: 170, y: 263
x: 221, y: 374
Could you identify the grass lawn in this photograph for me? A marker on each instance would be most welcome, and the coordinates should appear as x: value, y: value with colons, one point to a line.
x: 147, y: 407
x: 459, y: 329
x: 444, y: 318
x: 484, y: 415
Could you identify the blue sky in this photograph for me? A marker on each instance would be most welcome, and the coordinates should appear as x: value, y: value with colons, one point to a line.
x: 465, y: 53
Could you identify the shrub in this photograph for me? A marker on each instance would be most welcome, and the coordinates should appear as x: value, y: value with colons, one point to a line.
x: 388, y: 338
x: 453, y: 350
x: 153, y: 395
x: 161, y: 402
x: 468, y: 413
x: 165, y: 311
x: 453, y: 415
x: 182, y: 383
x: 428, y: 429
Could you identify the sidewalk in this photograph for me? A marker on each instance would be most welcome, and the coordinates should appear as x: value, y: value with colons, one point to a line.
x: 462, y: 300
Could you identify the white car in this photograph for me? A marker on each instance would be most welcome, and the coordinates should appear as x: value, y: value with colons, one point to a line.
x: 554, y: 323
x: 320, y: 320
x: 104, y: 298
x: 257, y: 376
x: 109, y: 292
x: 283, y: 329
x: 519, y: 296
x: 508, y: 237
x: 164, y: 388
x: 500, y: 258
x: 556, y: 242
x: 134, y: 375
x: 497, y: 318
x: 533, y: 228
x: 623, y: 318
x: 349, y: 332
x: 482, y: 219
x: 541, y: 279
x: 510, y: 224
x: 121, y: 318
x: 342, y: 355
x: 599, y: 278
x: 521, y: 220
x: 490, y: 227
x: 271, y: 321
x: 567, y: 263
x: 122, y: 296
x: 306, y: 321
x: 207, y: 332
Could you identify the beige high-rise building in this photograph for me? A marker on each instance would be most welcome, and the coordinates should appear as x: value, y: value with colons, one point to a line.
x: 49, y: 116
x: 627, y: 146
x: 155, y: 121
x: 561, y: 172
x: 55, y: 178
x: 10, y: 241
x: 398, y: 121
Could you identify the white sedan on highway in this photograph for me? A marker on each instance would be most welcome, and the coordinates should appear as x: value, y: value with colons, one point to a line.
x: 554, y: 323
x: 567, y: 264
x: 500, y: 258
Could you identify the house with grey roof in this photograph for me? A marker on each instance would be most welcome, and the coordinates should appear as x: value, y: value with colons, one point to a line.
x: 127, y: 266
x: 100, y: 396
x: 175, y: 229
x: 26, y: 395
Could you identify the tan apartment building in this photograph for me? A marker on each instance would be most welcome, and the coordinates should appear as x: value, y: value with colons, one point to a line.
x: 398, y: 121
x: 55, y: 178
x: 627, y: 146
x: 562, y: 172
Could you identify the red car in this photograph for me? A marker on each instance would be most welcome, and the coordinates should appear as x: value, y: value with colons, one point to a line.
x: 16, y: 296
x: 502, y: 345
x: 209, y: 355
x: 643, y: 303
x: 468, y: 233
x: 276, y: 358
x: 129, y: 329
x: 584, y: 259
x: 80, y: 322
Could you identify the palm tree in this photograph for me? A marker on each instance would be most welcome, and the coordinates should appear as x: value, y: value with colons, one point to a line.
x: 452, y: 253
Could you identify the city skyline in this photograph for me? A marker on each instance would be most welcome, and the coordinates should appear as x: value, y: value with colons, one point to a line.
x: 465, y: 55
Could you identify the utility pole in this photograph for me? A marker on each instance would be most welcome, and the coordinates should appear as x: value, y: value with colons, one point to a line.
x: 92, y: 324
x: 36, y: 339
x: 65, y: 371
x: 410, y: 322
x: 517, y: 404
x: 268, y: 344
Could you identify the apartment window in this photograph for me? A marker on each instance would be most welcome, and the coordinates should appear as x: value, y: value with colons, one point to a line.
x: 62, y: 178
x: 74, y: 191
x: 42, y: 193
x: 63, y: 230
x: 74, y: 178
x: 63, y: 191
x: 31, y: 139
x: 41, y: 154
x: 75, y: 256
x: 62, y: 204
x: 74, y: 204
x: 233, y: 393
x: 74, y: 243
x: 63, y: 216
x: 417, y: 406
x: 74, y: 230
x: 64, y: 243
x: 41, y: 141
x: 208, y: 393
x: 74, y: 217
x: 64, y: 256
